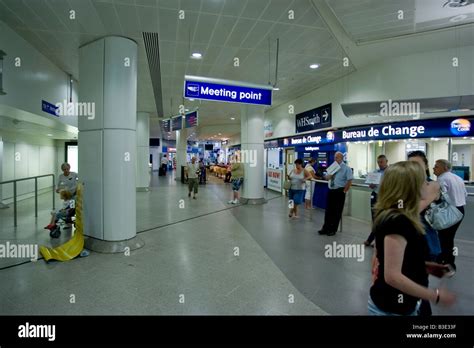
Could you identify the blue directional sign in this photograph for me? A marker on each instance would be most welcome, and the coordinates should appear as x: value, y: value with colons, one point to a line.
x: 226, y: 91
x: 49, y: 108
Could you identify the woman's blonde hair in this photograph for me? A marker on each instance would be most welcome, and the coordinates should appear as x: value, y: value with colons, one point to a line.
x: 400, y: 193
x: 65, y: 195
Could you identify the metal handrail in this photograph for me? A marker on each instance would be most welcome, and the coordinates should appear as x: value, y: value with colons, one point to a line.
x: 36, y: 193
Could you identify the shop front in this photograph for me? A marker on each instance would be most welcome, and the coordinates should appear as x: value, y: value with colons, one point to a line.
x: 441, y: 138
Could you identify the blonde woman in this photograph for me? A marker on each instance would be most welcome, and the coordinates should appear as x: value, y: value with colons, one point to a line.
x: 402, y: 275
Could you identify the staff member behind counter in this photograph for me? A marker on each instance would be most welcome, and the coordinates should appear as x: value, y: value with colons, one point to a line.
x: 339, y: 184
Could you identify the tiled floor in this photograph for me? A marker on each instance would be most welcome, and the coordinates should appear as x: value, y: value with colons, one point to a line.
x: 190, y: 256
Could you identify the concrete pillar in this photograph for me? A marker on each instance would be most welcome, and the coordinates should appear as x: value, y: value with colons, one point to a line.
x: 181, y: 147
x: 107, y: 143
x: 143, y: 151
x: 2, y: 206
x: 252, y: 131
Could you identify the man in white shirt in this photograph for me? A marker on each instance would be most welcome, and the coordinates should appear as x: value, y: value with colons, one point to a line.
x: 192, y: 173
x: 456, y: 190
x: 164, y: 164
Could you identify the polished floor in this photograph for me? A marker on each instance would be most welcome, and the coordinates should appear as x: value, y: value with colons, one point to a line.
x: 190, y: 265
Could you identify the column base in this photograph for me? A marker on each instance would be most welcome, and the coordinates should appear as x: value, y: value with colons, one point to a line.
x: 253, y: 201
x: 113, y: 247
x: 143, y: 189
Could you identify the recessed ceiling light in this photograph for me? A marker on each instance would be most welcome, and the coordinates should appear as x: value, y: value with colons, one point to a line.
x: 458, y: 18
x: 276, y: 88
x: 314, y: 66
x: 196, y: 55
x: 50, y: 135
x: 220, y: 133
x: 232, y: 118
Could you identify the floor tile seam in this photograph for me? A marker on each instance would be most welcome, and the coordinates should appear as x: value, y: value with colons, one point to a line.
x: 276, y: 266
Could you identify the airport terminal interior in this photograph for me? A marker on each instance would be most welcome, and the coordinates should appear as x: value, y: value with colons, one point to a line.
x: 151, y: 152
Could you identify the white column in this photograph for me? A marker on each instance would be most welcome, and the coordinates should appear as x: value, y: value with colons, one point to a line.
x: 2, y: 206
x: 252, y: 131
x: 107, y: 143
x: 181, y: 147
x: 143, y: 151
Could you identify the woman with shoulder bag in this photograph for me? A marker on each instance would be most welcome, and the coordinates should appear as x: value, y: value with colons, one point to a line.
x: 401, y: 281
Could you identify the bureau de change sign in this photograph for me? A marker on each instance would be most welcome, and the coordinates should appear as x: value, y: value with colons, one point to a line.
x: 205, y: 88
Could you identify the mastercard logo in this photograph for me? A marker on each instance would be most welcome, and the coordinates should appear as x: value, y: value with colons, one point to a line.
x: 460, y: 126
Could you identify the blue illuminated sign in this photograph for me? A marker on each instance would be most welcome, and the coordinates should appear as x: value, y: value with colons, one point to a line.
x: 434, y: 128
x: 49, y: 108
x: 227, y: 92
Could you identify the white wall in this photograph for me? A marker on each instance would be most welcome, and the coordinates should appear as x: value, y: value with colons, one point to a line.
x: 357, y: 158
x: 36, y: 79
x: 423, y: 75
x: 26, y: 156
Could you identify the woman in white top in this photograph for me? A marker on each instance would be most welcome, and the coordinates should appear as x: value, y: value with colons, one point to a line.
x: 298, y: 176
x: 309, y: 184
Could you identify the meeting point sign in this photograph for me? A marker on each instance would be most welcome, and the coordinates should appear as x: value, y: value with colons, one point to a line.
x: 205, y: 88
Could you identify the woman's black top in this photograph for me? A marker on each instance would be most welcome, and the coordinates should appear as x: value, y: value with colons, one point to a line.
x: 384, y: 296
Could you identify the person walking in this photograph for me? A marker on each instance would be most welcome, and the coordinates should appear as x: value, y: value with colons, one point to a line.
x: 237, y: 179
x: 298, y: 177
x: 382, y: 162
x: 402, y: 274
x: 431, y: 192
x: 454, y: 186
x: 192, y: 173
x: 164, y: 165
x: 309, y: 184
x: 339, y: 185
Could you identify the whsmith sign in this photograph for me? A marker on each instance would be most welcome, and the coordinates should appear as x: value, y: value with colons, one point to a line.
x: 196, y: 87
x: 314, y: 119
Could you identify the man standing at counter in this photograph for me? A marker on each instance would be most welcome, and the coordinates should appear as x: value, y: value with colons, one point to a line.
x: 382, y: 162
x: 454, y: 186
x: 339, y: 184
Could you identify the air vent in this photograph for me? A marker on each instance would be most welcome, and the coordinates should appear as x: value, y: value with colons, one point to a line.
x: 409, y: 107
x: 152, y: 48
x: 458, y: 3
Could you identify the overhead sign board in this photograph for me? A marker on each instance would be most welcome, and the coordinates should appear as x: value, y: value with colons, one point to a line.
x: 205, y: 88
x: 445, y: 127
x: 191, y: 119
x: 166, y: 125
x: 49, y: 108
x: 177, y: 123
x: 317, y: 118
